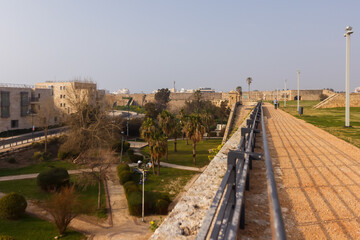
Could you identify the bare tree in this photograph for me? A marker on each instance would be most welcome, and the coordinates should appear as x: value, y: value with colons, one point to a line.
x: 63, y: 207
x: 46, y: 115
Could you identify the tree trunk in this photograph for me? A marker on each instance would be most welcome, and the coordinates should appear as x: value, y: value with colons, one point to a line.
x: 153, y: 164
x: 175, y: 142
x: 167, y: 151
x: 158, y: 167
x: 187, y: 141
x: 99, y: 195
x: 45, y: 134
x: 194, y: 153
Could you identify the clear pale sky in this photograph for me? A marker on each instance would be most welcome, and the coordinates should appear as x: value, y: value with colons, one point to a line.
x: 146, y: 45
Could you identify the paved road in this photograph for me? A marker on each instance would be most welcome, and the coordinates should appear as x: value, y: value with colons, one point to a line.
x: 318, y: 176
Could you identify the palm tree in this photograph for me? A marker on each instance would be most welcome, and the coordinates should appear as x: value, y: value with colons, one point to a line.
x: 183, y: 122
x: 158, y: 148
x: 176, y: 132
x: 194, y: 131
x: 147, y: 131
x: 207, y: 119
x: 166, y: 122
x: 249, y: 81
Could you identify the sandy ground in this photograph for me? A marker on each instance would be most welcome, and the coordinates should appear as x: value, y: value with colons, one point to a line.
x: 318, y: 177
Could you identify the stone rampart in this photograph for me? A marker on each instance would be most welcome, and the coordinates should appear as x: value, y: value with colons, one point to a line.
x: 339, y: 101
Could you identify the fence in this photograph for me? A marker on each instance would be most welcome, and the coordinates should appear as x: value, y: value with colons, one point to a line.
x: 227, y: 211
x: 30, y: 137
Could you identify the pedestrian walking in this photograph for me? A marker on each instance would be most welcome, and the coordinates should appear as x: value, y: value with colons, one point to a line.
x: 276, y: 103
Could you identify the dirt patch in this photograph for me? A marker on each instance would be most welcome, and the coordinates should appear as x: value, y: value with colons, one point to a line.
x: 25, y: 157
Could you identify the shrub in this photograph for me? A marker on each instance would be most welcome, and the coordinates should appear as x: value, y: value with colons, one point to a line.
x: 122, y: 167
x: 117, y: 146
x: 65, y: 154
x: 323, y: 97
x: 135, y: 158
x: 130, y: 152
x: 130, y: 186
x: 53, y: 179
x: 135, y: 203
x: 11, y: 160
x: 162, y: 206
x: 12, y: 206
x: 124, y: 177
x: 42, y: 156
x: 3, y: 237
x: 38, y: 145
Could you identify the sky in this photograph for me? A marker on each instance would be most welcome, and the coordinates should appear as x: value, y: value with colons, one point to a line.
x: 147, y: 45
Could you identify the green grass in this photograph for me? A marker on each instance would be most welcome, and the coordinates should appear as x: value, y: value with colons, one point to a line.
x: 331, y: 120
x: 170, y: 181
x: 30, y: 190
x: 183, y: 156
x: 30, y: 228
x: 36, y: 168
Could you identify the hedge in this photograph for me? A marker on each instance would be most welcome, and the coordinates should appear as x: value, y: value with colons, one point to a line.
x: 2, y: 237
x: 124, y: 177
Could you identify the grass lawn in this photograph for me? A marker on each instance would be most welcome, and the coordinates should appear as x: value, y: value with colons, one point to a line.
x: 30, y: 228
x: 36, y: 168
x: 170, y: 181
x: 331, y: 120
x: 183, y: 156
x: 30, y: 190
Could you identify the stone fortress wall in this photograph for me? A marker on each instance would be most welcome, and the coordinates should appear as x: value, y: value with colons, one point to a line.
x: 178, y: 99
x: 339, y: 101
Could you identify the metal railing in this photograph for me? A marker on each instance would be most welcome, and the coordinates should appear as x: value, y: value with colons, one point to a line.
x: 29, y: 137
x: 227, y: 211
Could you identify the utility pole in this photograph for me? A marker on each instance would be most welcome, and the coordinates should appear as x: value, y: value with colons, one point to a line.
x: 298, y: 88
x: 285, y: 94
x: 347, y: 76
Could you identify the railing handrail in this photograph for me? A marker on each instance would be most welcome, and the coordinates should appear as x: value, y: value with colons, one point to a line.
x: 277, y: 224
x: 228, y: 205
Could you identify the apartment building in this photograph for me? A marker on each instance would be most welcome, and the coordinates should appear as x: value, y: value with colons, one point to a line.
x: 67, y: 93
x: 22, y: 106
x: 18, y: 103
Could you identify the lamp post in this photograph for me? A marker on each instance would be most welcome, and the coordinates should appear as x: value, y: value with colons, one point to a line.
x: 122, y: 145
x: 298, y: 89
x: 285, y: 94
x: 349, y: 31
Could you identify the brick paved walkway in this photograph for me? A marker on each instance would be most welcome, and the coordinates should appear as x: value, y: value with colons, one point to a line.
x: 318, y: 179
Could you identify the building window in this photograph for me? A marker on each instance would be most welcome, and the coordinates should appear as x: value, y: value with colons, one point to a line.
x: 24, y: 104
x: 55, y: 119
x: 63, y: 87
x: 5, y: 104
x: 60, y: 104
x: 14, y: 123
x: 64, y: 96
x: 39, y: 107
x: 64, y: 104
x: 39, y: 95
x: 60, y: 87
x: 60, y: 96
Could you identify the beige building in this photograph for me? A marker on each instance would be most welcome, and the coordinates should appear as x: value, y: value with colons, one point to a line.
x: 18, y: 103
x: 67, y: 94
x: 24, y: 106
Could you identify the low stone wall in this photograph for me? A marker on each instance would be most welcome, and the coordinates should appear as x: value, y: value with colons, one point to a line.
x: 339, y: 101
x: 185, y: 219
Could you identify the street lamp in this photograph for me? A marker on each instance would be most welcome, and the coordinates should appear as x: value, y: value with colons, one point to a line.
x: 122, y: 145
x: 285, y: 94
x: 349, y: 31
x: 298, y: 89
x: 32, y: 123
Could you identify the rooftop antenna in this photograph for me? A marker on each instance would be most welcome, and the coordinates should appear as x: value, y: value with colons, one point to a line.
x: 174, y: 87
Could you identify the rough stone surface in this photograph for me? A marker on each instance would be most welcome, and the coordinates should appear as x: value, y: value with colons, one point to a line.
x: 186, y: 218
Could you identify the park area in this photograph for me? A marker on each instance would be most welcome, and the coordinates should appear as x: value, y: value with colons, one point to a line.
x: 331, y: 120
x: 170, y: 182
